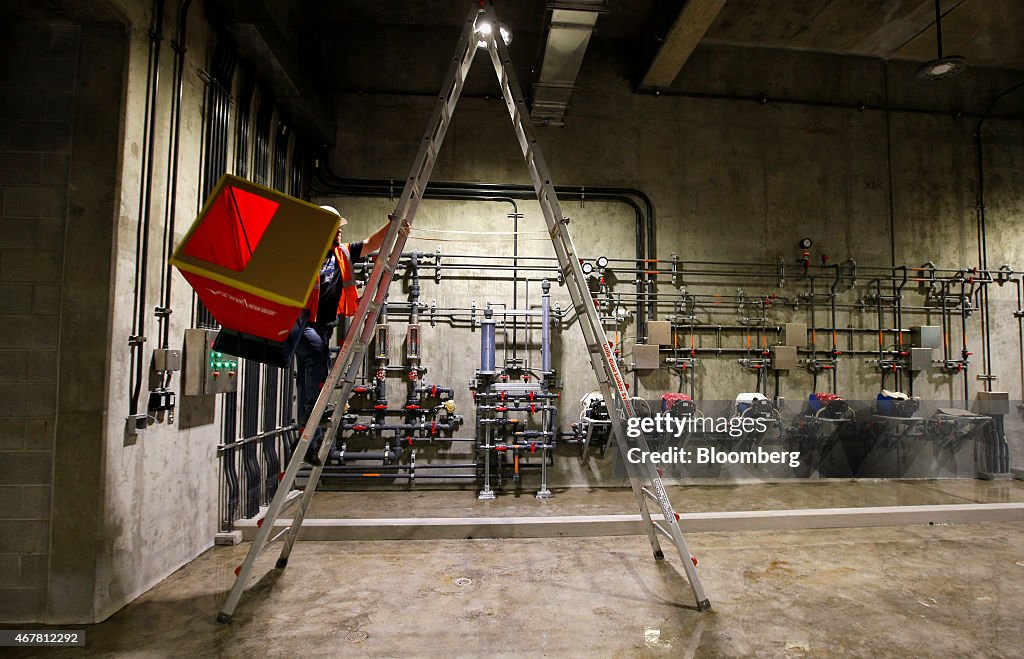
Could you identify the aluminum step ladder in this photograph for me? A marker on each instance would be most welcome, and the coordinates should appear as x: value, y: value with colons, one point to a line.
x: 479, y: 31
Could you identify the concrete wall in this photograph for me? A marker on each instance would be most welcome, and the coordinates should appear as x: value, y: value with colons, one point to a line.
x: 91, y: 517
x: 38, y: 67
x: 731, y: 180
x: 159, y: 505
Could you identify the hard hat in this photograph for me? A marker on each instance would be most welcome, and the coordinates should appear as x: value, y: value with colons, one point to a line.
x: 334, y: 211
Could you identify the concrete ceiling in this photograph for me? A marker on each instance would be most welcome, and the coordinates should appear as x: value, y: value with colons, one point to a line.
x: 986, y: 32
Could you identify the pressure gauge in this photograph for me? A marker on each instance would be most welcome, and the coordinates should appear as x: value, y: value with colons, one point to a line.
x: 805, y: 243
x: 602, y: 261
x: 587, y: 266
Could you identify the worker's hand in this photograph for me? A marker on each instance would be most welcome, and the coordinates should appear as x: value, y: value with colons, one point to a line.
x: 405, y: 228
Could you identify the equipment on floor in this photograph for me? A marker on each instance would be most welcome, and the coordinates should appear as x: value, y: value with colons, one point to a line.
x: 645, y: 479
x: 594, y: 427
x: 896, y: 403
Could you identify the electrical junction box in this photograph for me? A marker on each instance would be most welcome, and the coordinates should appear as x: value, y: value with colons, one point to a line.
x: 926, y: 336
x: 166, y: 360
x: 794, y: 334
x: 646, y: 356
x: 207, y: 371
x: 659, y: 332
x: 784, y: 358
x: 920, y: 359
x: 992, y: 402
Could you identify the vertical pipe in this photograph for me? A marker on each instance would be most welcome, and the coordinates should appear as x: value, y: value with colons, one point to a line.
x: 487, y: 343
x: 145, y: 209
x: 963, y: 351
x: 545, y: 327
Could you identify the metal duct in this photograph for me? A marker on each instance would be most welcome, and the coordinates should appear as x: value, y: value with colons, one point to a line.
x: 572, y: 24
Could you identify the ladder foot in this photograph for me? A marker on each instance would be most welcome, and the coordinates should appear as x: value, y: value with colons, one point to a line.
x: 223, y: 618
x: 659, y: 555
x: 704, y: 605
x: 282, y: 563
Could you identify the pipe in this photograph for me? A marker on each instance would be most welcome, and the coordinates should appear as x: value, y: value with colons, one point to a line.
x: 963, y: 350
x: 468, y: 191
x: 898, y: 322
x: 982, y: 232
x: 179, y: 47
x: 761, y: 99
x: 138, y: 334
x: 487, y: 343
x: 545, y: 327
x: 835, y: 353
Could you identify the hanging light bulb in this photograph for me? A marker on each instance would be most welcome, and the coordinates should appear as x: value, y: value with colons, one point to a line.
x: 484, y: 31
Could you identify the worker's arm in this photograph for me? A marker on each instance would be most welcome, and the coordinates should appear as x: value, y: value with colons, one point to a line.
x: 373, y: 243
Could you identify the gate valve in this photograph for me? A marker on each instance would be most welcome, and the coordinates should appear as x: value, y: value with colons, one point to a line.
x: 526, y: 377
x: 503, y: 396
x: 433, y: 427
x: 533, y: 408
x: 531, y: 396
x: 412, y: 406
x: 501, y: 408
x: 381, y: 374
x: 360, y: 390
x: 533, y: 447
x: 359, y: 427
x: 500, y: 448
x: 433, y: 391
x: 409, y: 439
x: 413, y: 375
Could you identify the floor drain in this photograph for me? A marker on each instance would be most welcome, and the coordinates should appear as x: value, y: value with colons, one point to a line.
x: 355, y: 637
x: 463, y: 581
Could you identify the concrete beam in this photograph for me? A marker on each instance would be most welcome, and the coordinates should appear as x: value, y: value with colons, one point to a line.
x: 441, y: 528
x: 682, y: 38
x: 262, y: 42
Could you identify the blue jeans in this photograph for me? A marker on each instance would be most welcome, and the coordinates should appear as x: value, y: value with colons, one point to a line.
x: 312, y: 365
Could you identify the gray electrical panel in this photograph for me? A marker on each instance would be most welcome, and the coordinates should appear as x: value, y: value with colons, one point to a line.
x: 207, y: 371
x: 926, y: 336
x: 794, y: 334
x: 920, y: 359
x: 659, y: 332
x: 784, y: 358
x: 992, y: 402
x: 646, y: 357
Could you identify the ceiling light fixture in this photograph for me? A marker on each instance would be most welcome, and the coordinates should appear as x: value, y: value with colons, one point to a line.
x: 941, y: 67
x: 484, y: 31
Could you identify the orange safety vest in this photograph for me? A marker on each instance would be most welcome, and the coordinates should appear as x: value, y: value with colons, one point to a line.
x: 349, y: 300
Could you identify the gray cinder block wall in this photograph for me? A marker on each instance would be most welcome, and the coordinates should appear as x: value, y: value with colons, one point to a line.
x: 90, y: 517
x: 38, y: 67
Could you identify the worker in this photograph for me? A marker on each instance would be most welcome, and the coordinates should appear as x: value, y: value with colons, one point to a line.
x: 337, y: 298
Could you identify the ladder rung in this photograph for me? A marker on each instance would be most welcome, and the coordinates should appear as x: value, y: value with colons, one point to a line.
x: 650, y: 495
x: 662, y: 530
x: 282, y: 533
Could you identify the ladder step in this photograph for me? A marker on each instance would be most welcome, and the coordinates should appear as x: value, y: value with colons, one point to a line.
x: 283, y: 532
x: 650, y: 495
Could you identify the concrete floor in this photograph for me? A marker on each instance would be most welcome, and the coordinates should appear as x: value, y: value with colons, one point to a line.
x: 424, y: 502
x: 920, y: 591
